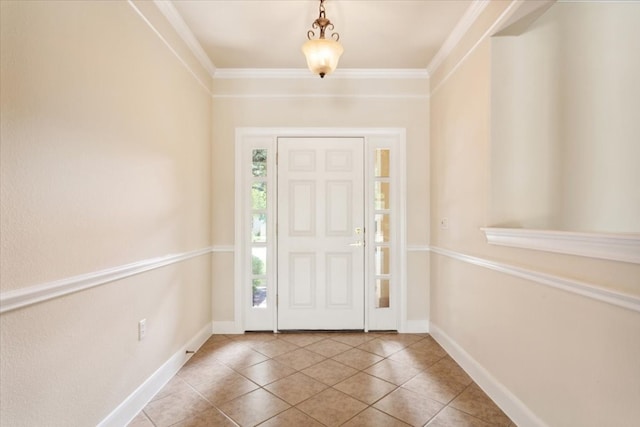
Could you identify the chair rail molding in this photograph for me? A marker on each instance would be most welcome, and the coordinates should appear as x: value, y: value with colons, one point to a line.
x: 18, y: 298
x: 623, y: 247
x: 599, y: 293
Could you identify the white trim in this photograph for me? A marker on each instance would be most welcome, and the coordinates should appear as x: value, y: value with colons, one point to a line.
x: 239, y: 232
x: 507, y: 401
x: 243, y: 134
x: 470, y: 15
x: 393, y: 317
x: 303, y: 73
x: 226, y: 327
x: 171, y: 49
x: 418, y: 248
x: 502, y: 18
x: 416, y: 327
x: 15, y: 299
x: 136, y: 401
x: 318, y: 95
x: 254, y: 318
x: 175, y: 19
x: 401, y: 246
x: 616, y: 247
x: 319, y: 132
x: 223, y: 248
x: 620, y: 299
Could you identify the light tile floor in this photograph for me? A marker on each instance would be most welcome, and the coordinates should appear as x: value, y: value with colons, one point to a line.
x: 321, y: 379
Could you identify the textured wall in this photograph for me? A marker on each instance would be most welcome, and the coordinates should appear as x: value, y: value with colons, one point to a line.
x: 571, y: 360
x: 105, y: 161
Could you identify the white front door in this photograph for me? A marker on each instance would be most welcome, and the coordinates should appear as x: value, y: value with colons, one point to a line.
x: 320, y: 233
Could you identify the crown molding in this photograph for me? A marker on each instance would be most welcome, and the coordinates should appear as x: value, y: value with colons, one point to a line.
x: 513, y: 6
x: 169, y: 11
x: 152, y: 27
x: 473, y: 11
x: 303, y: 73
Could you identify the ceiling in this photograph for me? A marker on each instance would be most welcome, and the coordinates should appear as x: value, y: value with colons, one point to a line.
x: 376, y: 34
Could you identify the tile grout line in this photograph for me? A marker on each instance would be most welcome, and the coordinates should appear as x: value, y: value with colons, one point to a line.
x: 446, y: 404
x: 332, y: 387
x: 249, y: 344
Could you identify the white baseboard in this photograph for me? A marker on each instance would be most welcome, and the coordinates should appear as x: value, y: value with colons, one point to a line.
x: 507, y: 401
x: 137, y: 400
x: 226, y: 327
x: 416, y: 327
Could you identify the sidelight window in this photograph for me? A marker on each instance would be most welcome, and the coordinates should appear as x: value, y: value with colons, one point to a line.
x: 382, y: 232
x: 259, y: 231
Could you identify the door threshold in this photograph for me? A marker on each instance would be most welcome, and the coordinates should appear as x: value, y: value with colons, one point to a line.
x: 310, y: 331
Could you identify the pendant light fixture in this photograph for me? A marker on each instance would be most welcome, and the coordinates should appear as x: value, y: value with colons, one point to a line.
x: 322, y: 54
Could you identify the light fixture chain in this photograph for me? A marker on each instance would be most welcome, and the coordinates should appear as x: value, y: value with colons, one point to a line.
x: 322, y: 23
x: 322, y: 54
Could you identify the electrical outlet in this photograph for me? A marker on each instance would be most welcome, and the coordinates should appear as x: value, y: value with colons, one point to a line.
x: 142, y: 329
x: 444, y: 223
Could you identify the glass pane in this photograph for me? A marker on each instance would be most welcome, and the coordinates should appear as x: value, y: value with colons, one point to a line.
x: 259, y: 166
x: 383, y: 223
x: 259, y: 195
x: 382, y: 293
x: 382, y: 195
x: 382, y: 163
x: 382, y: 260
x: 259, y: 293
x: 259, y: 228
x: 259, y: 261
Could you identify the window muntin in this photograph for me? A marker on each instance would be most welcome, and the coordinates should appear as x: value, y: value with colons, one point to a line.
x: 382, y: 190
x: 259, y: 165
x: 382, y: 237
x: 382, y: 293
x: 259, y: 230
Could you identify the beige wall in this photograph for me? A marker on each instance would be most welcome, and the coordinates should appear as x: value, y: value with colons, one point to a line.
x: 331, y: 102
x: 571, y: 360
x: 105, y: 161
x: 564, y: 120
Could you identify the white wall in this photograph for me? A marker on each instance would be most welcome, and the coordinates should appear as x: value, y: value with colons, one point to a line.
x: 105, y: 161
x: 549, y: 356
x: 312, y: 102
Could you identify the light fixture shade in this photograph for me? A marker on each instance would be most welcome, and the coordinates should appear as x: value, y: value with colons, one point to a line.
x: 322, y: 55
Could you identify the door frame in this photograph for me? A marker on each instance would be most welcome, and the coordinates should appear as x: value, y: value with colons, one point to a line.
x: 246, y: 138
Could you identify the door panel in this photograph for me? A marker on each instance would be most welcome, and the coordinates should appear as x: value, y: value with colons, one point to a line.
x: 303, y: 274
x: 320, y: 218
x: 302, y: 208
